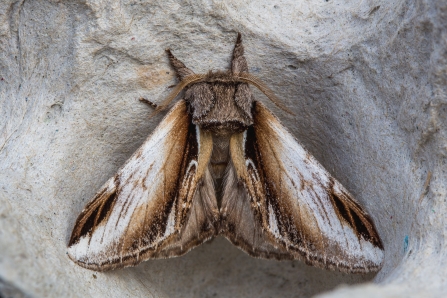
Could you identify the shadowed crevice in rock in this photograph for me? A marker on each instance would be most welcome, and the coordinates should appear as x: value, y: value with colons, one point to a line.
x: 8, y: 290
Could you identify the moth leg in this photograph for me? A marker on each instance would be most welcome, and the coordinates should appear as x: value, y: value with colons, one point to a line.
x: 147, y: 101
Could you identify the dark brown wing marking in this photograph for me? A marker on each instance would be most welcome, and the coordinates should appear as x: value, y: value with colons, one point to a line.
x: 97, y: 210
x: 350, y: 211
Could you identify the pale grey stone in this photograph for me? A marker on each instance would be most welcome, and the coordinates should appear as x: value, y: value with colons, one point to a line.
x: 367, y: 82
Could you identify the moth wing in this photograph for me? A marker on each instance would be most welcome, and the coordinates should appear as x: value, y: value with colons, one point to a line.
x: 241, y: 224
x: 153, y: 205
x: 300, y: 209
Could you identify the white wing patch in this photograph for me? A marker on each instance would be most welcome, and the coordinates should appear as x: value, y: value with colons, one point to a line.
x: 170, y: 227
x: 273, y: 224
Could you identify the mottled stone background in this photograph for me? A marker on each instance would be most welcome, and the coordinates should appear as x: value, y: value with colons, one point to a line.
x: 367, y: 82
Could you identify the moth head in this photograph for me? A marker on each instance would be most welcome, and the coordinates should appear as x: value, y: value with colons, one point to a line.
x: 238, y: 74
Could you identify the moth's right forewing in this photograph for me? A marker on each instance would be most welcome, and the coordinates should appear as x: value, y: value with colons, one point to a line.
x: 143, y: 211
x: 299, y: 205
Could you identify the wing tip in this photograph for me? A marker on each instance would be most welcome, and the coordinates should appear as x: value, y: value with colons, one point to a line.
x: 87, y: 263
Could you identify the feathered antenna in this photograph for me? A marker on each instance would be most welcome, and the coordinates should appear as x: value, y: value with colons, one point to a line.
x: 251, y: 79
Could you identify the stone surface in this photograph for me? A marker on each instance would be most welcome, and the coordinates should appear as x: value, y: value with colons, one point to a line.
x: 367, y: 82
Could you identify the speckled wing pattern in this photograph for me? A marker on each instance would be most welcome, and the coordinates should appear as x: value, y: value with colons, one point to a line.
x: 290, y: 207
x: 153, y: 207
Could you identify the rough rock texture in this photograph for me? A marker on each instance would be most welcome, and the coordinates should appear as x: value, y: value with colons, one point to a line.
x: 367, y: 82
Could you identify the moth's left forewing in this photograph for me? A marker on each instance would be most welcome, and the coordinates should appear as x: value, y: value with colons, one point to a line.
x: 299, y: 204
x: 154, y: 204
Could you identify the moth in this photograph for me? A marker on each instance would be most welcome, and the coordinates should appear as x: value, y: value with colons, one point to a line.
x: 220, y: 163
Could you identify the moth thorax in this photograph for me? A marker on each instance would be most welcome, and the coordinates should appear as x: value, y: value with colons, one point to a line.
x: 221, y: 107
x: 223, y: 129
